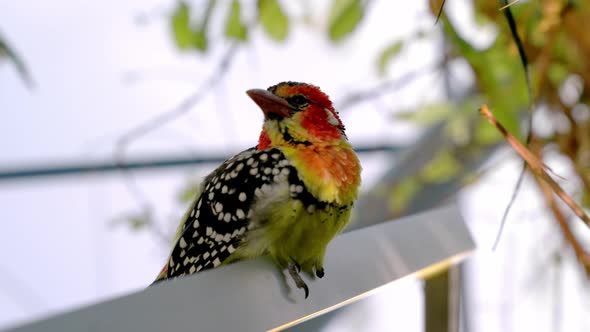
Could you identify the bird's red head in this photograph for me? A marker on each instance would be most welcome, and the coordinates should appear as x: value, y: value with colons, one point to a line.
x: 297, y: 114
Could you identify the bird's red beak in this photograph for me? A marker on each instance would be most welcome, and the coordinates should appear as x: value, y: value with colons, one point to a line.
x: 271, y: 105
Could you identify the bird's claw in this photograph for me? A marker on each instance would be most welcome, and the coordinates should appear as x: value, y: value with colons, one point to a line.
x: 319, y: 272
x: 294, y: 270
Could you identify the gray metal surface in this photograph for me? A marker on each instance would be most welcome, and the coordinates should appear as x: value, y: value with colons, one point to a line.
x: 251, y: 295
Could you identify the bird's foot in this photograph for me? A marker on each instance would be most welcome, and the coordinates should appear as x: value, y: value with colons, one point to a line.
x: 294, y: 270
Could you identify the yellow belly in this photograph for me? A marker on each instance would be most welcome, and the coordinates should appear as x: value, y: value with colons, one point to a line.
x: 293, y: 234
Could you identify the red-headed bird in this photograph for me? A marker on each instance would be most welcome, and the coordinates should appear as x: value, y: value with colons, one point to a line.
x: 287, y: 197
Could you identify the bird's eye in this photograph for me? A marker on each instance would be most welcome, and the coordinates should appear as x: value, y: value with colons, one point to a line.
x: 298, y: 101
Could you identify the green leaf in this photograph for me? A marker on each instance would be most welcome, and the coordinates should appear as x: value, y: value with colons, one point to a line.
x: 499, y: 77
x: 273, y: 19
x: 234, y: 27
x: 486, y: 134
x: 337, y: 7
x: 345, y: 18
x: 403, y: 193
x: 459, y: 126
x: 428, y: 114
x: 183, y: 35
x: 200, y: 40
x: 441, y: 168
x: 557, y: 73
x: 387, y: 54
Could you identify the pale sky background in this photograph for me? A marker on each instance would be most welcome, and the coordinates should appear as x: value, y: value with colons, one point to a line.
x: 58, y: 247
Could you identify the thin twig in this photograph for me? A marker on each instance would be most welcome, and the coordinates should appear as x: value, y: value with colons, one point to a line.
x: 184, y: 107
x: 508, y: 207
x: 440, y: 11
x: 525, y: 65
x: 523, y: 59
x: 359, y: 96
x: 508, y: 4
x: 19, y: 64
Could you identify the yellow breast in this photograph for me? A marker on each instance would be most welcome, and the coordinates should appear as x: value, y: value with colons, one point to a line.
x: 331, y: 173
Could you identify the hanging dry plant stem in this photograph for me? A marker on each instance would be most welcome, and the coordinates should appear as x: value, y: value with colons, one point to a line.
x: 581, y: 253
x: 536, y: 165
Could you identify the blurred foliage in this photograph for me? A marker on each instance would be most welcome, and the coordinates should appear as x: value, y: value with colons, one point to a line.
x: 498, y: 74
x: 557, y: 43
x: 234, y: 26
x: 145, y: 221
x: 402, y: 193
x: 187, y: 35
x: 181, y: 27
x: 188, y: 193
x: 345, y: 16
x: 273, y: 19
x: 135, y: 221
x: 555, y: 39
x: 387, y: 54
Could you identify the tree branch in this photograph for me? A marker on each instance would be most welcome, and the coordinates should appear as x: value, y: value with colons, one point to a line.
x: 360, y: 96
x: 150, y: 125
x: 183, y: 107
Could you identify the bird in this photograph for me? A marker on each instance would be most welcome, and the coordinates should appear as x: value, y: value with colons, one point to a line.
x: 287, y: 197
